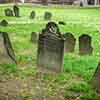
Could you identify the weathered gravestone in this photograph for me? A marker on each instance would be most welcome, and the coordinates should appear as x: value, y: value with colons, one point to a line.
x: 16, y: 10
x: 32, y: 15
x: 96, y: 79
x: 3, y: 23
x: 34, y: 37
x: 47, y: 15
x: 69, y: 43
x: 6, y: 52
x: 50, y: 48
x: 8, y: 12
x: 85, y: 47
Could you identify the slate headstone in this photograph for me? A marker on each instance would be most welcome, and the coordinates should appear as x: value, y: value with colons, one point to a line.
x: 85, y: 45
x: 69, y: 42
x: 50, y: 48
x: 34, y: 37
x: 96, y: 78
x: 9, y: 12
x: 7, y: 55
x: 16, y: 10
x: 4, y: 23
x: 32, y: 15
x: 48, y: 16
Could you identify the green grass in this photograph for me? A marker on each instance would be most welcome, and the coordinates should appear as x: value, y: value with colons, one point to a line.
x: 78, y: 21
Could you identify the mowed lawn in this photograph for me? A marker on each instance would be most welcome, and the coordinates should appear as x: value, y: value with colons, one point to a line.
x: 78, y: 21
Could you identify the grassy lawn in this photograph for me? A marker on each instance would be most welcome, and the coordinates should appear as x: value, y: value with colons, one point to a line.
x: 81, y: 68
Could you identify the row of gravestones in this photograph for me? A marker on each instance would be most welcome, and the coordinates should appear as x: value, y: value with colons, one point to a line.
x: 85, y: 47
x: 47, y: 15
x: 14, y: 12
x: 50, y: 51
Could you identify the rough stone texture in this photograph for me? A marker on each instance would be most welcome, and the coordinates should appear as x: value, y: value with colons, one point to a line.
x: 34, y: 37
x: 69, y: 43
x: 96, y: 78
x: 48, y: 16
x: 50, y: 48
x: 32, y: 15
x: 8, y: 12
x: 16, y: 10
x: 6, y: 52
x: 4, y: 23
x: 85, y: 47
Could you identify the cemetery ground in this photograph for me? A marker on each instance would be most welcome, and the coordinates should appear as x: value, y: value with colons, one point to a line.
x: 25, y: 82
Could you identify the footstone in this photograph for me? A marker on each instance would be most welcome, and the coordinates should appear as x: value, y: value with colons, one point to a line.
x: 85, y: 47
x: 6, y: 52
x: 4, y: 23
x: 34, y: 37
x: 69, y: 42
x: 8, y: 12
x: 16, y: 10
x: 32, y: 15
x: 50, y: 49
x: 96, y: 78
x: 47, y: 16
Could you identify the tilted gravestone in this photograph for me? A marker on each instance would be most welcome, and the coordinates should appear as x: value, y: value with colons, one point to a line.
x: 7, y: 55
x: 69, y: 42
x: 47, y: 15
x: 32, y: 15
x: 34, y: 37
x: 50, y: 48
x: 96, y: 78
x: 16, y: 10
x: 85, y: 47
x: 4, y: 23
x: 8, y: 12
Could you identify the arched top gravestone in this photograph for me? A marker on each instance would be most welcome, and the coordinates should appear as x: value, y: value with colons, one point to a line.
x: 69, y: 42
x: 50, y: 48
x: 6, y: 51
x: 32, y: 15
x: 47, y: 15
x: 8, y: 12
x: 85, y: 45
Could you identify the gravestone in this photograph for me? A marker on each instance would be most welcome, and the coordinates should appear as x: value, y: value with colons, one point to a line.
x: 96, y: 78
x: 32, y: 15
x: 34, y: 37
x: 4, y: 23
x: 7, y: 55
x: 47, y: 16
x: 85, y: 47
x: 50, y: 48
x: 8, y: 12
x: 69, y: 42
x: 62, y: 23
x: 16, y: 10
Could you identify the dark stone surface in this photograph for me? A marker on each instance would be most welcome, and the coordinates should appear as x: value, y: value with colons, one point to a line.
x: 34, y: 37
x: 47, y: 15
x: 85, y: 47
x: 4, y: 23
x: 16, y: 10
x: 50, y: 48
x: 6, y: 51
x: 8, y: 12
x: 96, y: 79
x: 69, y: 42
x: 32, y: 15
